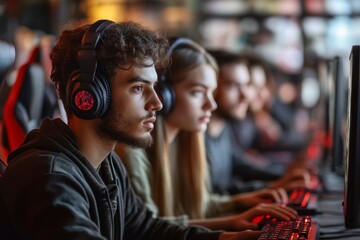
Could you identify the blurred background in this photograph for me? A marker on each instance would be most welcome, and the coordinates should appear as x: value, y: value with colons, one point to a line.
x: 297, y: 37
x: 289, y: 33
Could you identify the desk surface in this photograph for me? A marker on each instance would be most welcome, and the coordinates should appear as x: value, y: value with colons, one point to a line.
x: 331, y: 218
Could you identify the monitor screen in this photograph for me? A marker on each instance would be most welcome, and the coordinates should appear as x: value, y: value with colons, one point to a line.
x: 338, y: 114
x: 323, y: 112
x: 352, y: 143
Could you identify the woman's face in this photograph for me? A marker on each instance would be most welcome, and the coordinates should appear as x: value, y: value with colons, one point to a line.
x: 194, y: 100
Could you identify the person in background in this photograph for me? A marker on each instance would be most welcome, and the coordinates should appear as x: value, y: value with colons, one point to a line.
x: 7, y: 57
x: 280, y: 139
x: 231, y: 172
x: 171, y: 176
x: 64, y: 181
x: 277, y: 130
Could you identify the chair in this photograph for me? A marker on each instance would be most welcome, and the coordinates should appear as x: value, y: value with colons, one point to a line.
x: 27, y: 103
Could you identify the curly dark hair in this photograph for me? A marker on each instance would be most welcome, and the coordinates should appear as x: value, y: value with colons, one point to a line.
x: 121, y: 44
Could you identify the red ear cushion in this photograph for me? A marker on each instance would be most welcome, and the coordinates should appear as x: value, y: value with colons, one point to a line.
x: 15, y: 132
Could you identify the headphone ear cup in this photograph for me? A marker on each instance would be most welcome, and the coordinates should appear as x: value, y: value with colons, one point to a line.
x: 164, y: 88
x: 104, y: 93
x: 166, y: 94
x: 88, y: 91
x: 88, y: 99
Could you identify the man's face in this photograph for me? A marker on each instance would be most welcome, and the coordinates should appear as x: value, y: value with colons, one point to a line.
x: 262, y: 87
x: 234, y: 91
x: 134, y: 102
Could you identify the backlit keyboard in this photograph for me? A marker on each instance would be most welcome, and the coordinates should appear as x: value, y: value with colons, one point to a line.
x: 303, y: 201
x: 301, y: 228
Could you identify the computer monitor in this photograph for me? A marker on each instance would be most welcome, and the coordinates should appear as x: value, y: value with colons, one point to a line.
x: 352, y: 143
x: 337, y: 114
x: 323, y: 114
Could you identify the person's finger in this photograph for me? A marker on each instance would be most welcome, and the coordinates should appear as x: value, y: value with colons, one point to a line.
x: 288, y: 211
x: 283, y: 195
x: 249, y: 225
x: 281, y: 212
x: 296, y: 184
x: 273, y: 194
x: 308, y: 180
x: 303, y: 174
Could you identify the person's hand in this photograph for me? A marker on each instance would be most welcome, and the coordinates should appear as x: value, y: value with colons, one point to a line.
x: 245, y: 201
x: 269, y: 130
x: 244, y: 220
x: 244, y: 235
x: 297, y: 178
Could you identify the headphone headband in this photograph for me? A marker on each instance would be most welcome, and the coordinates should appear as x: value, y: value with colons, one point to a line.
x: 180, y: 42
x: 164, y: 88
x: 86, y: 54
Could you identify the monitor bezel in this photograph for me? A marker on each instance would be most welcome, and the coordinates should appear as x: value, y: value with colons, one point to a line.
x: 352, y: 145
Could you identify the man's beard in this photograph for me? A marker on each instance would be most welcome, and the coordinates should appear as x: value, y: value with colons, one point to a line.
x: 110, y: 126
x: 230, y: 113
x: 224, y: 114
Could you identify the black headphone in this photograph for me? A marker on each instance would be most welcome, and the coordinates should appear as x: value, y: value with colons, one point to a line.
x: 88, y: 91
x: 164, y: 88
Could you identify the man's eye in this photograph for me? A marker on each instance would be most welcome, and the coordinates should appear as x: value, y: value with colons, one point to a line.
x: 198, y: 91
x: 138, y: 88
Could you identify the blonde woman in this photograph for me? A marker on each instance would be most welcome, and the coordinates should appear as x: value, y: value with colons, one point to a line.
x: 171, y: 176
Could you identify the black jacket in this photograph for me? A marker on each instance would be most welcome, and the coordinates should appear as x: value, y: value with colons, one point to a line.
x: 50, y: 191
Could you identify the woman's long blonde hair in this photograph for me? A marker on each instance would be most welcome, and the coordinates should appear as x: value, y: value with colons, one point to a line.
x: 179, y: 185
